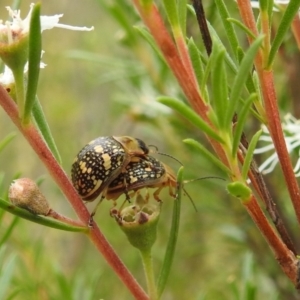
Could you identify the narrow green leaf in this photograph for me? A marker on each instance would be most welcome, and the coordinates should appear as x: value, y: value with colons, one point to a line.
x: 35, y: 50
x: 188, y: 113
x: 182, y: 9
x: 4, y: 142
x: 229, y: 29
x: 249, y: 154
x: 258, y: 102
x: 263, y: 5
x: 216, y: 49
x: 219, y: 88
x: 229, y: 62
x: 207, y: 70
x: 195, y: 56
x: 240, y: 79
x: 249, y: 82
x: 208, y: 154
x: 149, y: 38
x: 242, y: 117
x: 170, y: 251
x: 270, y: 11
x: 2, y: 175
x: 4, y: 189
x: 285, y: 23
x: 118, y: 13
x: 6, y: 275
x: 8, y: 231
x: 39, y: 219
x: 171, y: 11
x: 242, y: 26
x: 196, y: 60
x: 247, y: 279
x: 43, y: 126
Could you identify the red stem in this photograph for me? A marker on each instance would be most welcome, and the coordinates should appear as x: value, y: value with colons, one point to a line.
x: 296, y: 29
x: 185, y: 58
x: 285, y: 257
x: 272, y: 112
x: 151, y: 17
x: 55, y: 215
x: 35, y: 140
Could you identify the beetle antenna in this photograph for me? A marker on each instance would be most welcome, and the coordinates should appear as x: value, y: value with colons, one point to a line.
x: 165, y: 154
x: 155, y: 147
x: 191, y: 180
x: 190, y: 198
x: 201, y: 178
x: 168, y: 155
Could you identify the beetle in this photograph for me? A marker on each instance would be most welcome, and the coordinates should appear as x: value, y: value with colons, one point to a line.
x: 147, y: 174
x: 102, y: 160
x: 142, y: 174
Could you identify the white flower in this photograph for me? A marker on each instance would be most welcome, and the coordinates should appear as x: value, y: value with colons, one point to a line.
x: 18, y: 27
x: 14, y: 31
x: 291, y: 130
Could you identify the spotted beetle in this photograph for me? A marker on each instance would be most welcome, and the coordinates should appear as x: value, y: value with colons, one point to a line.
x: 143, y: 174
x: 102, y: 160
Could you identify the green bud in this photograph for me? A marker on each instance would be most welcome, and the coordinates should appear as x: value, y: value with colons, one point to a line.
x: 139, y: 224
x: 239, y: 190
x: 15, y: 54
x: 14, y: 40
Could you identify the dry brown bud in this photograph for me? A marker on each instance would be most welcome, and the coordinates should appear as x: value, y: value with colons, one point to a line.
x: 25, y: 193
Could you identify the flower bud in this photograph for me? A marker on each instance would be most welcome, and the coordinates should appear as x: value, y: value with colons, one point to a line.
x: 139, y: 224
x: 14, y: 41
x: 25, y: 193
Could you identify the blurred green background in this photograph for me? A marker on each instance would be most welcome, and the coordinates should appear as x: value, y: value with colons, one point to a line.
x: 105, y: 82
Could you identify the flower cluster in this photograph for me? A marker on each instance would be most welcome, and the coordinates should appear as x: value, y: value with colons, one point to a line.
x: 14, y: 32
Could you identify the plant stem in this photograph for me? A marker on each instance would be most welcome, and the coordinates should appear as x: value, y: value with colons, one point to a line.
x: 272, y: 112
x: 285, y: 257
x: 260, y: 187
x: 153, y: 20
x: 55, y: 215
x: 37, y: 143
x: 296, y: 29
x: 149, y: 273
x: 20, y: 91
x: 198, y: 7
x: 276, y: 132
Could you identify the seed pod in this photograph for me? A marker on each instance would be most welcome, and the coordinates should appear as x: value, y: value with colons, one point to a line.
x: 26, y: 194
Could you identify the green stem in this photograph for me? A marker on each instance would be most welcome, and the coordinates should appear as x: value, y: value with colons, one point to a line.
x: 20, y: 91
x: 149, y: 273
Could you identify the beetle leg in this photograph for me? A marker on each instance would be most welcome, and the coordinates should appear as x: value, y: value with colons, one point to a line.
x: 156, y: 193
x: 126, y: 190
x: 171, y: 191
x: 91, y: 220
